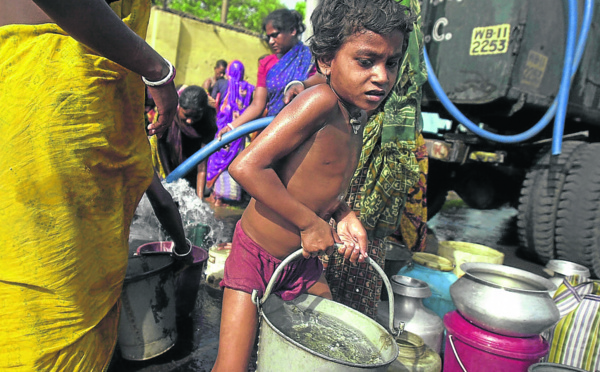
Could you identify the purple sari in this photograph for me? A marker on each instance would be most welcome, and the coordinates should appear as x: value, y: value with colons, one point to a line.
x: 294, y: 65
x: 235, y: 102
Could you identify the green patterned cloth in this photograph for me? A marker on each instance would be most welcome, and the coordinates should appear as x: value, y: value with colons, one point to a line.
x: 389, y: 142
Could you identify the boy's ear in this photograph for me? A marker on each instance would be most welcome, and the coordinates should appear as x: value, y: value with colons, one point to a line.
x: 324, y: 66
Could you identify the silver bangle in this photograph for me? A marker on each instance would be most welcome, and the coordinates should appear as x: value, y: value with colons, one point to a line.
x: 230, y: 126
x: 166, y: 80
x: 292, y: 83
x: 189, y: 244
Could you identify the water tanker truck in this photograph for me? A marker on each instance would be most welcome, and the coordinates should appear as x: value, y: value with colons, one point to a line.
x: 520, y: 82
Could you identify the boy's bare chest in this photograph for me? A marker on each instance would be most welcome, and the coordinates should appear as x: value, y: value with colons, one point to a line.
x: 330, y: 153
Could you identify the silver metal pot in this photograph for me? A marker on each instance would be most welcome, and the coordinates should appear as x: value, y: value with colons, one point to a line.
x: 559, y: 270
x: 505, y: 300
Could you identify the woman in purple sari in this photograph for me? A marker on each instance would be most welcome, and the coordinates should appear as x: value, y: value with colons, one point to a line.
x: 236, y: 101
x: 291, y: 60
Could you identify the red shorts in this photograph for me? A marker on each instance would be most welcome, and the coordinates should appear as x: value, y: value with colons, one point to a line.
x: 250, y: 267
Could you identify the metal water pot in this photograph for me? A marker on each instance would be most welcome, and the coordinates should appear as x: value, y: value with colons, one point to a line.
x: 408, y: 308
x: 559, y: 270
x: 505, y: 300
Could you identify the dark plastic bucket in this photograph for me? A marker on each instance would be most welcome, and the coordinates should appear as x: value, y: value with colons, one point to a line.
x: 479, y: 350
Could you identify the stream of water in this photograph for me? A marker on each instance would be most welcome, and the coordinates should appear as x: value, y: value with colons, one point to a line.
x: 146, y: 228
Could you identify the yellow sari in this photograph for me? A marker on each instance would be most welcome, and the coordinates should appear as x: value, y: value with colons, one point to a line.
x: 74, y: 163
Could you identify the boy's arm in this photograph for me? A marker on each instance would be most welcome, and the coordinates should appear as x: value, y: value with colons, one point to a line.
x: 352, y: 233
x: 254, y: 169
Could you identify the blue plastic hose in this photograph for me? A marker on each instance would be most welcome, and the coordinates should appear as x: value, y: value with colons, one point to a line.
x: 215, y: 145
x: 572, y: 60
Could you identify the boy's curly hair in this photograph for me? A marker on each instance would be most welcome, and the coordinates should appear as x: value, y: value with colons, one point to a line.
x: 334, y: 21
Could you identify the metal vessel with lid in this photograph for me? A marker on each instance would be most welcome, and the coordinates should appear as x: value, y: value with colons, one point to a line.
x: 408, y: 308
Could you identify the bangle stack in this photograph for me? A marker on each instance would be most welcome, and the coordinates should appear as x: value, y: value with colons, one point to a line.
x: 177, y: 255
x: 164, y: 81
x: 292, y: 83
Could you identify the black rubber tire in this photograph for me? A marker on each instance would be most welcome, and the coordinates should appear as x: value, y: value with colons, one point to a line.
x: 439, y: 182
x: 578, y: 220
x: 538, y: 204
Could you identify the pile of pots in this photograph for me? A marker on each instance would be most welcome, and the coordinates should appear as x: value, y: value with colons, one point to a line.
x: 501, y: 312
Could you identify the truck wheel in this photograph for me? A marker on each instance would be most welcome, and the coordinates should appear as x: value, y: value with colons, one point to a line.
x: 538, y: 204
x: 578, y: 219
x: 439, y: 182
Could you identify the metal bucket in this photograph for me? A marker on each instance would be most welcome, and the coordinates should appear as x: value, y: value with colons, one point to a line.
x: 147, y: 325
x: 278, y: 352
x: 553, y: 367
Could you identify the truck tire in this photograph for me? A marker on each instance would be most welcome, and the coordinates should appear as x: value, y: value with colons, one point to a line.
x: 578, y: 219
x: 538, y: 204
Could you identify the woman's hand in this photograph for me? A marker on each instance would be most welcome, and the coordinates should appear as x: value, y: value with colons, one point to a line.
x: 318, y: 239
x: 223, y: 130
x: 292, y: 92
x: 354, y: 236
x: 166, y: 100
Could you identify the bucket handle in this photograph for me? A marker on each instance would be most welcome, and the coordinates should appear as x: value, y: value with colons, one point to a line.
x: 451, y: 339
x: 258, y: 302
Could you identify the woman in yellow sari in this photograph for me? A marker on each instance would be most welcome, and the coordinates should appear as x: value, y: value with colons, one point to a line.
x: 74, y: 163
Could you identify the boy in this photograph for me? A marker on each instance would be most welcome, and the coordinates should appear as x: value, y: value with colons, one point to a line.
x: 299, y: 168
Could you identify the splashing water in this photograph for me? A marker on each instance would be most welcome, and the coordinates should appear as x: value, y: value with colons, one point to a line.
x: 146, y: 228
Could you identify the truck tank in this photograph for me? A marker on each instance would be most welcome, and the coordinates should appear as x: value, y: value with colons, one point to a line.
x: 500, y: 62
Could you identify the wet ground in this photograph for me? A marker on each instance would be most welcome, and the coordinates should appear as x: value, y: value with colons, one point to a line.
x: 196, y: 348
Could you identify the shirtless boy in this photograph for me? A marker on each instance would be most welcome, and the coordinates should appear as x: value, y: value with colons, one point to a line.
x: 299, y: 168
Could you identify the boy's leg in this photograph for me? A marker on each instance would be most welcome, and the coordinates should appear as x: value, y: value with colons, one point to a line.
x: 321, y: 288
x: 239, y: 322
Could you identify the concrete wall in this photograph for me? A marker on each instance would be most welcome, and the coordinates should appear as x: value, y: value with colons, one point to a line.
x: 194, y: 46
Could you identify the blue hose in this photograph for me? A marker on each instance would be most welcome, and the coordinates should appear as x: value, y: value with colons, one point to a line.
x: 572, y: 60
x: 215, y: 145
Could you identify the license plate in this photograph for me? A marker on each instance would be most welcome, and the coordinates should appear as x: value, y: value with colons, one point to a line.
x: 490, y: 40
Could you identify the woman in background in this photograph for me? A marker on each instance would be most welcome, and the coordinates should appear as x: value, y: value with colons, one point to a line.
x: 291, y: 60
x: 236, y: 101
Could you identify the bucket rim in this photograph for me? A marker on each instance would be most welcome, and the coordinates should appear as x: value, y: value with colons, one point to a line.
x: 395, y: 353
x: 472, y: 269
x: 470, y: 248
x: 132, y: 278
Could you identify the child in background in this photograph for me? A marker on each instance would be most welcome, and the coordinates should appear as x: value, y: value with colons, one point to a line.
x: 299, y: 168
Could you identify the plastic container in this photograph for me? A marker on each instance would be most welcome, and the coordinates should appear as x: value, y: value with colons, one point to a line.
x: 437, y: 272
x: 461, y: 252
x: 479, y: 350
x: 215, y: 267
x: 199, y: 235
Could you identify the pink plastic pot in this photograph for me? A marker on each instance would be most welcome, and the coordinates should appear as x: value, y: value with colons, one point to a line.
x: 482, y: 351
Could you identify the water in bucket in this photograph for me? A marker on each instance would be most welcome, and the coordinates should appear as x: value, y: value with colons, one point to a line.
x: 324, y: 335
